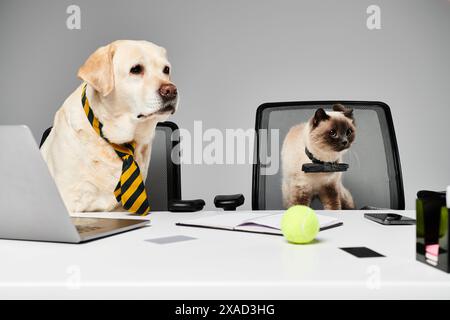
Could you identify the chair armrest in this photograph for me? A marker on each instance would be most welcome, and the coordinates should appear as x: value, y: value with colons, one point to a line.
x: 186, y: 205
x: 229, y: 202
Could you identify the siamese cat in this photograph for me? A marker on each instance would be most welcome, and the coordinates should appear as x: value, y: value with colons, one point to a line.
x: 325, y: 137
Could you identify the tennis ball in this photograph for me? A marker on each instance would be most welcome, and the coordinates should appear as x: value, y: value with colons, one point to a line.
x: 299, y: 224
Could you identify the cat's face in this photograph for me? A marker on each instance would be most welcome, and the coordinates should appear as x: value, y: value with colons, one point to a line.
x: 333, y: 131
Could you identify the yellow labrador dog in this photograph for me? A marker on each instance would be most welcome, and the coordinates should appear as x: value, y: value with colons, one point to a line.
x: 129, y: 91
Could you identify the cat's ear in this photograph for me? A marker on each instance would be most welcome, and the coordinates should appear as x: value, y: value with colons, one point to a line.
x: 339, y: 107
x: 320, y: 115
x: 348, y: 112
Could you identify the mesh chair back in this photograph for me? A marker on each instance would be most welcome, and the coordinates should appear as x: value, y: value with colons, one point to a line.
x: 163, y: 181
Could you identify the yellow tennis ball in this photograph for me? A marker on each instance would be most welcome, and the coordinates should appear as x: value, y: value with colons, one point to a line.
x: 300, y: 224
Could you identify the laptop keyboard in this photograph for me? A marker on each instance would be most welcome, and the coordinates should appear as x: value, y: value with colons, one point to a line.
x: 86, y: 228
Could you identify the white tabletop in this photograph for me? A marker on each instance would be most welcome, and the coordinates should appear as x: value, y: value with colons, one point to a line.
x: 223, y: 264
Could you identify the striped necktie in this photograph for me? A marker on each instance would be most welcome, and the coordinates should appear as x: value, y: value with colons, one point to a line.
x: 130, y: 190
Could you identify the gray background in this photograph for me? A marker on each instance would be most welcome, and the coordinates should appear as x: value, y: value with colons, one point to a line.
x: 230, y: 56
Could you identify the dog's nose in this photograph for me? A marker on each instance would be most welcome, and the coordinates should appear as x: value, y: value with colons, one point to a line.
x: 168, y: 91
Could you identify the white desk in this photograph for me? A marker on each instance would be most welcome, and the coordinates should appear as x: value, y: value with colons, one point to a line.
x: 223, y: 264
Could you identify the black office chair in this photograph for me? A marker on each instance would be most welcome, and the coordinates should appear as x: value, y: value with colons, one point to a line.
x: 163, y: 181
x: 374, y: 177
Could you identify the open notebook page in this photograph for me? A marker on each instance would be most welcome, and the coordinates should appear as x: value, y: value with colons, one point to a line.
x: 272, y: 223
x: 225, y: 220
x: 266, y: 222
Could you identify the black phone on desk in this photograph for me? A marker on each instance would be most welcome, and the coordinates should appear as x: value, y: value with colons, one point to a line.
x: 389, y: 218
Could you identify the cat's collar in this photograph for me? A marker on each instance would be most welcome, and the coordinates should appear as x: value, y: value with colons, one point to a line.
x: 322, y: 166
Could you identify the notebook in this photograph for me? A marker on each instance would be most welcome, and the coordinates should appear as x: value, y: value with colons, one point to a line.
x: 249, y: 221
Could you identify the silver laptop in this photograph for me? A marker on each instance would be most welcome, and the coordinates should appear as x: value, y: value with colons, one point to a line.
x: 31, y: 207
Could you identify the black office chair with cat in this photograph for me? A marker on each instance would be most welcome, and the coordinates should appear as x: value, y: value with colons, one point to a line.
x: 369, y: 170
x: 163, y: 183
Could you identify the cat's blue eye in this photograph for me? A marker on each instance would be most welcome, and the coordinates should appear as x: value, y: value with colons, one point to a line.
x: 333, y: 133
x: 349, y: 132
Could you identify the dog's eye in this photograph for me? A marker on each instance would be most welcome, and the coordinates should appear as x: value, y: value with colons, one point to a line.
x: 166, y: 70
x: 333, y: 133
x: 349, y: 131
x: 137, y: 69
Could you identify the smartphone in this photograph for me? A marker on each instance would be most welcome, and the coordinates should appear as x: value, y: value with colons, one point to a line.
x: 389, y: 218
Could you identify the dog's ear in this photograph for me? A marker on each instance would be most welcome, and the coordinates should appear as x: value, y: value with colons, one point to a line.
x: 98, y: 70
x: 319, y: 115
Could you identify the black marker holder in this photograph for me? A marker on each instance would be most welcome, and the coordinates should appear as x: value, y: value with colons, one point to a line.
x: 432, y: 229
